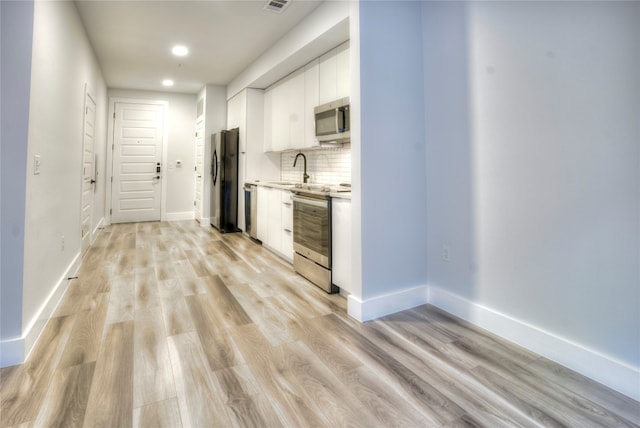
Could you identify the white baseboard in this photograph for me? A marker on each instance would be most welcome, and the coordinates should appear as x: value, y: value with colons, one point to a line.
x: 94, y: 233
x: 607, y: 370
x: 378, y: 306
x: 16, y: 350
x: 204, y: 222
x: 186, y: 215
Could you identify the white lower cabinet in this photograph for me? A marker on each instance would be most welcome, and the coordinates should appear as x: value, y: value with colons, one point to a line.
x: 341, y: 243
x: 287, y: 224
x: 275, y: 220
x: 263, y: 215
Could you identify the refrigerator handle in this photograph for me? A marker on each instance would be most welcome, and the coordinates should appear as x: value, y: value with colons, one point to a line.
x: 214, y: 167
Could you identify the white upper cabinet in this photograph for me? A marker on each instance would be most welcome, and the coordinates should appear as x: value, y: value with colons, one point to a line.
x: 295, y: 117
x: 334, y: 74
x: 289, y: 121
x: 268, y: 121
x: 284, y: 112
x: 311, y: 100
x: 343, y: 71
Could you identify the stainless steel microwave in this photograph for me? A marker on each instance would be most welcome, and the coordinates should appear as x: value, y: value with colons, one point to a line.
x: 332, y: 121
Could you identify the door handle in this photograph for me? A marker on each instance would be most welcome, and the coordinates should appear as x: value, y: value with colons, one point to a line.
x: 93, y: 181
x: 214, y: 167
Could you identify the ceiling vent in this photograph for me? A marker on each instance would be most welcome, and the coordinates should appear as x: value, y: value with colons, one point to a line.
x: 276, y: 6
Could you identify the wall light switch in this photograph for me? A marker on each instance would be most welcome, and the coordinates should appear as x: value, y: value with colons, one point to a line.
x: 36, y: 164
x: 446, y: 253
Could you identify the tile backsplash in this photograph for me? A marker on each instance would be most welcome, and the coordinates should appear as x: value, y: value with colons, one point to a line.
x: 326, y: 165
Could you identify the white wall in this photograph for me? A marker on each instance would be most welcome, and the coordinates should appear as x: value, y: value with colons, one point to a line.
x: 391, y: 164
x: 534, y: 176
x: 215, y: 109
x: 16, y: 35
x: 62, y: 63
x: 180, y: 183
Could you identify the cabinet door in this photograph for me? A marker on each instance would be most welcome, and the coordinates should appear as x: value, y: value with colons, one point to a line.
x: 268, y: 120
x: 311, y: 100
x: 341, y: 243
x: 343, y: 71
x: 335, y: 74
x: 328, y: 76
x: 274, y: 223
x: 295, y: 116
x: 287, y: 224
x: 263, y: 213
x: 280, y: 120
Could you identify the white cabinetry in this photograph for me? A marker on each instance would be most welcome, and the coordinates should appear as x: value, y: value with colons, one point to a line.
x: 311, y: 100
x: 341, y: 243
x: 263, y: 213
x: 245, y: 111
x: 268, y: 120
x: 275, y: 220
x: 289, y: 103
x: 289, y: 117
x: 287, y: 224
x: 334, y: 74
x: 285, y: 119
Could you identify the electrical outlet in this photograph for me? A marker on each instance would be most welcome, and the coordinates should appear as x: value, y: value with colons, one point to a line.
x: 446, y: 253
x: 62, y: 243
x: 36, y: 164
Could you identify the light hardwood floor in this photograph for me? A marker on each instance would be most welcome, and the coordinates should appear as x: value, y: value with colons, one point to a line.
x: 172, y: 324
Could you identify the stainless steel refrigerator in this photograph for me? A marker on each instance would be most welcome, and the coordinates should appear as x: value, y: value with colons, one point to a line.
x: 224, y: 180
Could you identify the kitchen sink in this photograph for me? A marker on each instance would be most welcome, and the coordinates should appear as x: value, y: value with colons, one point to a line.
x: 311, y: 186
x: 281, y: 183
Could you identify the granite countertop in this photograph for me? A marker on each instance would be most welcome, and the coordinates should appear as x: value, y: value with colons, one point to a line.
x: 287, y: 185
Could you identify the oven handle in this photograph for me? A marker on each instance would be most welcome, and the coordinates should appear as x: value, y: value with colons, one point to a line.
x: 310, y: 201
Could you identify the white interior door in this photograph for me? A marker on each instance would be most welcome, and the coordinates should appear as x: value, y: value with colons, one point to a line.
x: 88, y: 170
x: 199, y: 170
x: 136, y: 192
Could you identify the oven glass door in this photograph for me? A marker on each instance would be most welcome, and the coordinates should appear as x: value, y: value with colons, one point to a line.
x: 312, y: 228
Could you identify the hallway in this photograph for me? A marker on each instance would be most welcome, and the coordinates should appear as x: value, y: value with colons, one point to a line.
x: 171, y: 324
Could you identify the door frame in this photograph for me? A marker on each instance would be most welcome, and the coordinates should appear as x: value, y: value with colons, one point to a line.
x: 201, y: 219
x: 110, y: 141
x: 88, y: 92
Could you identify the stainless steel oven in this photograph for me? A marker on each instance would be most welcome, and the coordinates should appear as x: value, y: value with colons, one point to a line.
x: 312, y: 238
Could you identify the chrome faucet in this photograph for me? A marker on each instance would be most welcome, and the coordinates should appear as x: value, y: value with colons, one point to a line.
x: 305, y: 176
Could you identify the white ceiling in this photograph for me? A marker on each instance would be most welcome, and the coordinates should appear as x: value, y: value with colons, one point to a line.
x: 133, y: 39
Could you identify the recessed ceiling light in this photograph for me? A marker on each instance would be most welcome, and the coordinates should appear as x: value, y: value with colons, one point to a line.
x: 167, y: 82
x: 179, y: 50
